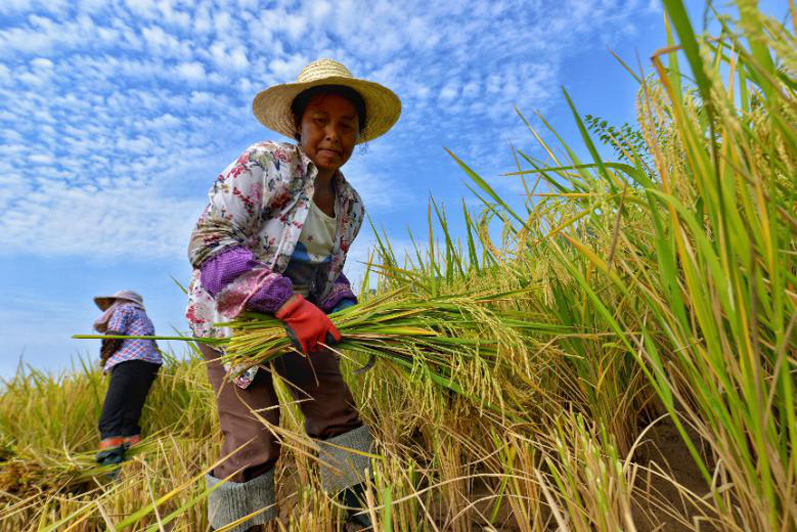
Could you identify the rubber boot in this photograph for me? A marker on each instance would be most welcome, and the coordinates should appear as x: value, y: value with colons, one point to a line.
x: 109, y: 457
x: 354, y: 499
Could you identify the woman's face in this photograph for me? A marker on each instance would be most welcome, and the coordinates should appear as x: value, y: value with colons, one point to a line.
x: 328, y: 130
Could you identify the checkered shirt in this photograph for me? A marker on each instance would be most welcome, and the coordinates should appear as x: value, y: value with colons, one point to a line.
x: 133, y: 321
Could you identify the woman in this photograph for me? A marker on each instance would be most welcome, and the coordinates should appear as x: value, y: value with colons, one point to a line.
x: 274, y: 239
x: 133, y: 365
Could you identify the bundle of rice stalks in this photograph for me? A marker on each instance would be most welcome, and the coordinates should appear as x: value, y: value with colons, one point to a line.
x: 460, y: 342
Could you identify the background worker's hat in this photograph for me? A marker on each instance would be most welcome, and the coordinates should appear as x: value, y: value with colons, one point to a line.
x: 128, y: 295
x: 273, y: 105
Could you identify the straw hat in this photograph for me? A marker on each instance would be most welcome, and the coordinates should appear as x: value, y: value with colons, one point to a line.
x: 128, y: 295
x: 273, y: 105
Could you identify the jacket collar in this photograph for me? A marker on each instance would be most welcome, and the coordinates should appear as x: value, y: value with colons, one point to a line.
x: 309, y: 171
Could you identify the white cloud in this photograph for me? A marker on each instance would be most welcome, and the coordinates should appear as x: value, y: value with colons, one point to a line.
x: 225, y: 59
x: 141, y: 7
x: 202, y: 98
x: 122, y: 221
x: 192, y: 71
x: 295, y: 26
x: 24, y: 6
x: 289, y: 67
x: 449, y: 92
x: 41, y: 158
x: 41, y: 62
x: 202, y: 22
x: 123, y: 111
x: 222, y: 22
x: 165, y: 44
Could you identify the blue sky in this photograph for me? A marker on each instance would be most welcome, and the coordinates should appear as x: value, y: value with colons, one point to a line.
x: 115, y: 117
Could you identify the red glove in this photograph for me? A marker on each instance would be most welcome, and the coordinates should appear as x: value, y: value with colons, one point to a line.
x: 307, y: 324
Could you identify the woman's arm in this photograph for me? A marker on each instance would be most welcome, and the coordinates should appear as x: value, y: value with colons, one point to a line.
x: 235, y: 202
x: 229, y: 271
x: 219, y: 271
x: 341, y: 292
x: 117, y: 326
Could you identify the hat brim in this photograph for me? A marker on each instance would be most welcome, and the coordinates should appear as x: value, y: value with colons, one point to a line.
x: 103, y: 302
x: 272, y: 106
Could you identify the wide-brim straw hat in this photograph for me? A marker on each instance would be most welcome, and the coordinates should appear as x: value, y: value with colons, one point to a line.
x: 273, y: 105
x: 128, y: 295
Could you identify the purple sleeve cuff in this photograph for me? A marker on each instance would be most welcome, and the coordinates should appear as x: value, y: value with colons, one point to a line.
x: 219, y: 271
x: 272, y: 296
x: 340, y: 290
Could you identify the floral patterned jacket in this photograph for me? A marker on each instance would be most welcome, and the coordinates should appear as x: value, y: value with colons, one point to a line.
x: 260, y: 202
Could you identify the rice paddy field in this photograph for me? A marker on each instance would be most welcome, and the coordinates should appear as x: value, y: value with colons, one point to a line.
x: 616, y: 352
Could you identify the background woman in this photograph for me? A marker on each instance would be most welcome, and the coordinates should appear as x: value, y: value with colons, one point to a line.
x: 132, y: 364
x: 274, y: 239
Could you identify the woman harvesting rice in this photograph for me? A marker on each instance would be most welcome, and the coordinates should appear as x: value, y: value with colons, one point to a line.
x: 274, y: 239
x: 132, y: 364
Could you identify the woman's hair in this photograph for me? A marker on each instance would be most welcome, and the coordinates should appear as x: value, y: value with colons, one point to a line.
x: 299, y: 103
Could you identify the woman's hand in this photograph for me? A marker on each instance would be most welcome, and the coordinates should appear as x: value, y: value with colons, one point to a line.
x: 306, y: 323
x: 110, y: 346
